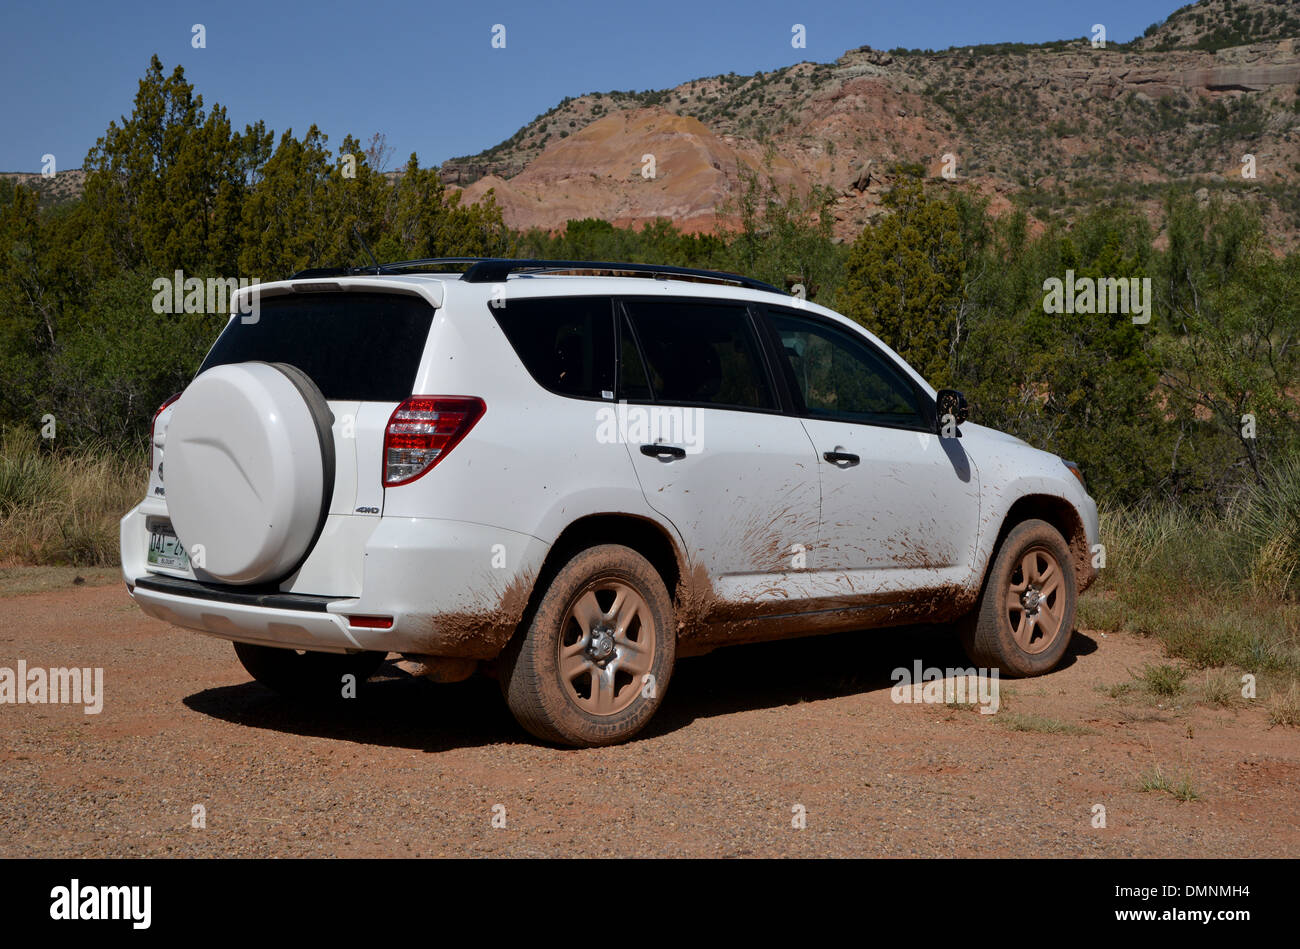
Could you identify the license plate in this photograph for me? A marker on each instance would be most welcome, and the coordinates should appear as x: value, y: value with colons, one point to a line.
x: 165, y: 550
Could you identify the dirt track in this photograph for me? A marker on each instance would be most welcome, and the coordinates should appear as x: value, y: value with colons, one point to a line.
x: 746, y: 733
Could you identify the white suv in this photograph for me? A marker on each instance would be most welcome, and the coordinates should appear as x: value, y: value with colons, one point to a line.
x: 575, y: 473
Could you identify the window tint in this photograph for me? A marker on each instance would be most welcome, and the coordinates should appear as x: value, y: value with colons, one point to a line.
x: 566, y: 343
x: 701, y: 353
x: 841, y: 377
x: 363, y: 347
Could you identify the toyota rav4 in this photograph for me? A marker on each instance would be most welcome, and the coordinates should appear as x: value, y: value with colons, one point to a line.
x: 573, y: 474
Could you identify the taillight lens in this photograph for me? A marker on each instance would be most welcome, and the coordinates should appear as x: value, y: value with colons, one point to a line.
x: 153, y: 449
x: 423, y: 430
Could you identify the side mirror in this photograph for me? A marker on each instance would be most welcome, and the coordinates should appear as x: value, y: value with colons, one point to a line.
x: 951, y: 409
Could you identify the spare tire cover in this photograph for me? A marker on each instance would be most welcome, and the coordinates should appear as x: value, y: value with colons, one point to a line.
x: 250, y: 470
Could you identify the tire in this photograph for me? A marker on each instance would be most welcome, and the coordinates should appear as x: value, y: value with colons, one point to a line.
x: 576, y: 673
x: 1020, y: 636
x: 307, y: 676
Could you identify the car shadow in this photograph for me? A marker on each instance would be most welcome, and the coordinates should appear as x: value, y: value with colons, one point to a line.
x: 392, y: 709
x: 789, y: 672
x: 397, y: 710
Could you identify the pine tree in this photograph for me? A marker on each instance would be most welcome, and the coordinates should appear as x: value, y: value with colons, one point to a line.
x: 904, y: 280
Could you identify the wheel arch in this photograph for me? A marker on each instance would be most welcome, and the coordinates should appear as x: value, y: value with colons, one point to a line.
x: 1062, y: 515
x: 642, y: 534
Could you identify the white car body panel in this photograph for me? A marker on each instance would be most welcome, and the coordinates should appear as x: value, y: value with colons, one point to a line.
x: 906, y: 517
x: 746, y: 505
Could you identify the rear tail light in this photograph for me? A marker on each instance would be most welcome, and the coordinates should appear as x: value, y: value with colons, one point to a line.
x: 423, y: 430
x: 153, y: 449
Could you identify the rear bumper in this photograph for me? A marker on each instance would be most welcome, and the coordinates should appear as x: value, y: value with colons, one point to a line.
x: 248, y: 618
x: 452, y: 589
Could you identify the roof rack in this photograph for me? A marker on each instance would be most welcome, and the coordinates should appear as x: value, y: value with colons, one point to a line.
x: 425, y: 262
x: 496, y: 269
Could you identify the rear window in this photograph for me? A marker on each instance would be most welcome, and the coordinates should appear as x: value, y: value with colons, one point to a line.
x: 357, y: 347
x: 566, y: 343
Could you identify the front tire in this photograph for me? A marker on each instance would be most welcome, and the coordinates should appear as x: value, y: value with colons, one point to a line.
x: 593, y: 664
x: 308, y: 676
x: 1025, y: 617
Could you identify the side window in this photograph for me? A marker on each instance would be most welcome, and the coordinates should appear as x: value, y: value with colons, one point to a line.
x: 566, y: 343
x: 844, y: 378
x: 700, y: 352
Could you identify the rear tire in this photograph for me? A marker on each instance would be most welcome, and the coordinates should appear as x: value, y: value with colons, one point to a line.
x: 1025, y: 617
x: 308, y: 676
x: 593, y: 664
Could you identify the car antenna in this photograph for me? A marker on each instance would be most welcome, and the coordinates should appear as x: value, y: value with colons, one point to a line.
x: 356, y: 232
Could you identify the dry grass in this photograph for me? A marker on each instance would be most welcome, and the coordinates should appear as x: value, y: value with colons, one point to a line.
x: 1284, y: 707
x: 1220, y: 591
x: 1041, y: 724
x: 1222, y: 688
x: 63, y: 507
x: 1156, y: 780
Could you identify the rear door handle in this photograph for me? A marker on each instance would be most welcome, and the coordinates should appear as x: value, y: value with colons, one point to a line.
x: 844, y: 459
x: 663, y: 451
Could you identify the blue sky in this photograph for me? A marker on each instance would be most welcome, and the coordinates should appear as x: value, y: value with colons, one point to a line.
x: 425, y: 73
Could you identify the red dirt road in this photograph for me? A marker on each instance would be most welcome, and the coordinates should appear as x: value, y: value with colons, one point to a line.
x: 745, y: 735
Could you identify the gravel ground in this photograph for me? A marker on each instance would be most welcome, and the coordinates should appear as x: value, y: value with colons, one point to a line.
x: 746, y: 734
